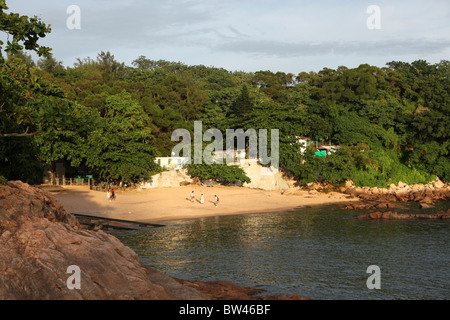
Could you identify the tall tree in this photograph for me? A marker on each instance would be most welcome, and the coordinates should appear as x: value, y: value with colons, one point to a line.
x: 242, y: 106
x: 50, y: 65
x: 121, y: 147
x: 109, y: 67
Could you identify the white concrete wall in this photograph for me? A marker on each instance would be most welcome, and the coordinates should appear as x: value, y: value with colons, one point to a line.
x: 266, y: 178
x: 261, y: 178
x: 165, y: 179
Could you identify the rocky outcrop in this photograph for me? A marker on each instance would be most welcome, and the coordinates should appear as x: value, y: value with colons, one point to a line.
x: 365, y: 205
x: 39, y: 241
x: 423, y: 193
x: 225, y: 290
x: 393, y: 215
x: 46, y: 255
x: 383, y: 200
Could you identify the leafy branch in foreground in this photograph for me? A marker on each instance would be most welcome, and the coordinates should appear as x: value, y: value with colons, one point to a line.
x: 23, y: 30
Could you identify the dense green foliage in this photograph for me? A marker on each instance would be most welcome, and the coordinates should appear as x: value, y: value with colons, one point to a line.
x: 120, y: 146
x: 391, y: 123
x: 25, y: 32
x: 220, y: 173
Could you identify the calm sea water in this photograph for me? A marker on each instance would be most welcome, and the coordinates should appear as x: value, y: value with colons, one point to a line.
x: 320, y: 252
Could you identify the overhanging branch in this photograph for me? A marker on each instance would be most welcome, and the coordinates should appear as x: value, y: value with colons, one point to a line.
x: 25, y: 134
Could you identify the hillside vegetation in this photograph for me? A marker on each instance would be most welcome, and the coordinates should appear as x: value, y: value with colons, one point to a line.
x: 391, y: 123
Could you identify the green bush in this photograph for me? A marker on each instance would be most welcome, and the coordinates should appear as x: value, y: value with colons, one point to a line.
x: 400, y: 172
x: 3, y: 180
x: 218, y: 172
x: 369, y: 178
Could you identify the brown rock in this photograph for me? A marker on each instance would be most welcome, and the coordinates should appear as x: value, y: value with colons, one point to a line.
x: 393, y: 215
x: 365, y: 216
x: 366, y: 205
x: 222, y: 290
x: 225, y: 290
x: 427, y: 200
x: 438, y: 183
x: 382, y: 205
x: 441, y: 194
x: 354, y: 206
x: 390, y: 198
x: 403, y: 197
x: 396, y: 206
x: 39, y: 240
x: 425, y: 205
x: 381, y: 215
x: 375, y: 215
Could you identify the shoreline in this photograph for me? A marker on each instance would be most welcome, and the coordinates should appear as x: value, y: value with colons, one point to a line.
x: 173, y: 203
x: 240, y: 213
x: 41, y: 238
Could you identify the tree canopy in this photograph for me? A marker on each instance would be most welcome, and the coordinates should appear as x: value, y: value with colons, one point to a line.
x: 391, y: 123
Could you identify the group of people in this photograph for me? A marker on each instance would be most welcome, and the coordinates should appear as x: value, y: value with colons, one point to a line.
x: 111, y: 195
x: 202, y: 199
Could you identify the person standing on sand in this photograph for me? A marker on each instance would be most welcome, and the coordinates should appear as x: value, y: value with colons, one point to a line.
x: 202, y: 200
x: 108, y: 195
x: 192, y: 196
x: 113, y: 194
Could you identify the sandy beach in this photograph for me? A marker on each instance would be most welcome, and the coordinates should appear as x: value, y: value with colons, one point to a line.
x: 165, y: 204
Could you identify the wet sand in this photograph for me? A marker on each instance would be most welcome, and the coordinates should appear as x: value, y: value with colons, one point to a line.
x: 164, y: 204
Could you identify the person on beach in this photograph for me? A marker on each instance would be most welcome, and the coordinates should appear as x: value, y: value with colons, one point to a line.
x: 217, y: 200
x: 202, y: 200
x: 113, y: 195
x: 192, y: 196
x: 108, y: 195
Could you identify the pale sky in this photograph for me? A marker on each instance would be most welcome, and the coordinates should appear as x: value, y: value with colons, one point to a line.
x: 248, y: 35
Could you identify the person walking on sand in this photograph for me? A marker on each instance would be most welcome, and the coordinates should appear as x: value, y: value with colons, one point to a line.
x: 113, y: 195
x: 192, y: 196
x: 202, y: 200
x: 108, y: 195
x: 217, y: 200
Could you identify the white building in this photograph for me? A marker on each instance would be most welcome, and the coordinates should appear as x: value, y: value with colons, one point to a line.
x: 328, y: 149
x: 303, y: 143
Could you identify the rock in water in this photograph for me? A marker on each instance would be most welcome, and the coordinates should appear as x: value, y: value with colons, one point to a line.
x: 39, y: 241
